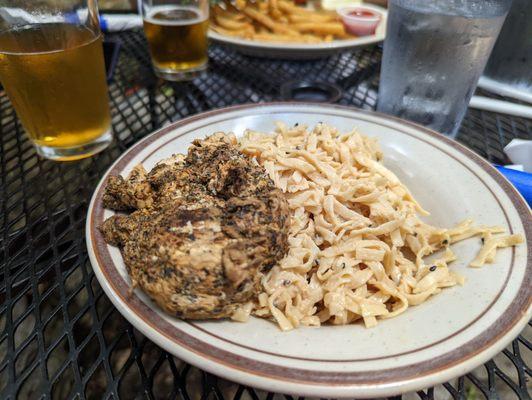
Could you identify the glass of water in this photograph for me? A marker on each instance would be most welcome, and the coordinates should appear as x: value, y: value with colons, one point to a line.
x: 434, y: 53
x: 511, y: 60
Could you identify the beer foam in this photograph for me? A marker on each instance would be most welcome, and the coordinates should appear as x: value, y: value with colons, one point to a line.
x: 149, y: 17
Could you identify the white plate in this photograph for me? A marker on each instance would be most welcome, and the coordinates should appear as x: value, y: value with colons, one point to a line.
x: 301, y: 51
x: 445, y: 337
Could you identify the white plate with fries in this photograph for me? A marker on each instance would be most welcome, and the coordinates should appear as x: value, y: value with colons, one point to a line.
x: 281, y: 29
x: 435, y: 339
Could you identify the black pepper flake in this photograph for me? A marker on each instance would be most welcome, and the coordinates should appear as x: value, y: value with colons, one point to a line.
x: 296, y: 124
x: 287, y: 282
x: 445, y: 241
x: 433, y: 268
x: 482, y: 240
x: 343, y: 265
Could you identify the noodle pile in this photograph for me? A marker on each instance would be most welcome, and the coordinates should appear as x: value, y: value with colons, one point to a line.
x: 357, y: 245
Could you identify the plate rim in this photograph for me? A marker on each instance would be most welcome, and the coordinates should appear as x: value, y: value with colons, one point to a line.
x: 334, y: 46
x: 337, y: 386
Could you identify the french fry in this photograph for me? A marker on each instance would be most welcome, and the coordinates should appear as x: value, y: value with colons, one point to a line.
x: 274, y: 10
x: 275, y: 21
x: 263, y: 7
x: 291, y: 8
x: 287, y: 7
x: 231, y: 24
x: 232, y: 15
x: 275, y: 37
x: 240, y: 4
x: 295, y: 18
x: 268, y: 22
x: 326, y: 28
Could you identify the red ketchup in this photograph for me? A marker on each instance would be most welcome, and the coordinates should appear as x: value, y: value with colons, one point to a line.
x: 360, y: 21
x: 363, y: 13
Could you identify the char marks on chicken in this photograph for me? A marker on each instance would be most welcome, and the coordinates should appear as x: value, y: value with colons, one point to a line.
x: 201, y: 228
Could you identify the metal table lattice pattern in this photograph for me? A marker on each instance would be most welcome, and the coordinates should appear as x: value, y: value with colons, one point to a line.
x: 60, y: 338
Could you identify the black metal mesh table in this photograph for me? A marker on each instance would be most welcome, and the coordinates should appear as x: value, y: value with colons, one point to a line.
x: 60, y: 337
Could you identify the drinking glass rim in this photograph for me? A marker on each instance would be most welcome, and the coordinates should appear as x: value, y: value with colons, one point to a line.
x: 36, y: 53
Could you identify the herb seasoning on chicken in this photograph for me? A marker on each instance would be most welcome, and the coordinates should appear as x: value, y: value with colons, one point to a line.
x: 202, y: 228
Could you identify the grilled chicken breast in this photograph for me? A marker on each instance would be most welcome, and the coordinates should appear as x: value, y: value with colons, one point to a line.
x: 201, y: 228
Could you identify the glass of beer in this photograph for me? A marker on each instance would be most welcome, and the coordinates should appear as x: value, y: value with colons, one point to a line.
x: 52, y: 68
x: 177, y: 36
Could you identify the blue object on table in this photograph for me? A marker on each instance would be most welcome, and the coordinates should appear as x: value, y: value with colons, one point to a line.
x: 111, y: 49
x: 521, y: 180
x: 120, y: 22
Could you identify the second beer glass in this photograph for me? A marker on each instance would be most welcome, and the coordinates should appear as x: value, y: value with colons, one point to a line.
x: 177, y: 36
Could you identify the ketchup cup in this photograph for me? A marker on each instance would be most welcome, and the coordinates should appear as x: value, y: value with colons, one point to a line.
x: 360, y: 20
